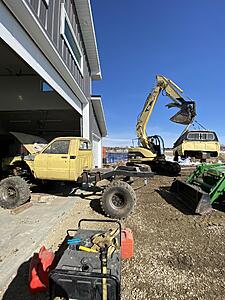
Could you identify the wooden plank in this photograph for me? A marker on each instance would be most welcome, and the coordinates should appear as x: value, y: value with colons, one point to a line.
x: 21, y: 208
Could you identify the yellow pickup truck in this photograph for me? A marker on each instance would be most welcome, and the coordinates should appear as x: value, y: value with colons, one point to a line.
x: 199, y: 144
x: 67, y: 159
x: 64, y: 158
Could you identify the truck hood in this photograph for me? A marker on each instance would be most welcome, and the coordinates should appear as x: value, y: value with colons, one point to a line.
x: 32, y: 143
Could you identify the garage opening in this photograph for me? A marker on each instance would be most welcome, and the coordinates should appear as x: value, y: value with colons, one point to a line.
x: 29, y: 105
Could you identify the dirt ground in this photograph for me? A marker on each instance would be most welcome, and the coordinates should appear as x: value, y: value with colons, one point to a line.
x: 177, y: 255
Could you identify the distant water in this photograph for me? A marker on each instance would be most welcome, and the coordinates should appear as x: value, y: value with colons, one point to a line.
x: 112, y: 157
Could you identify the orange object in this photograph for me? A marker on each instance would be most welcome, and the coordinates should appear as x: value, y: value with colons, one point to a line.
x: 127, y: 244
x: 39, y: 269
x: 103, y: 152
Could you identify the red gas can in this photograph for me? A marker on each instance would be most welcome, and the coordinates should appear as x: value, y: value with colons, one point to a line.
x: 127, y: 244
x: 39, y: 269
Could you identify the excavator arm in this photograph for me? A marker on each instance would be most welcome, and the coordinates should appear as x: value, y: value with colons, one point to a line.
x: 184, y: 116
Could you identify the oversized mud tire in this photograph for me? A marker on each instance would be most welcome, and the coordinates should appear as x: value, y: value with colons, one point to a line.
x: 14, y: 191
x: 118, y: 200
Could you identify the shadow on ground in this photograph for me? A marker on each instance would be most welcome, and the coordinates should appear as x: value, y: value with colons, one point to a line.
x: 94, y: 199
x: 54, y: 188
x: 95, y: 205
x: 177, y: 202
x: 18, y: 289
x: 220, y: 205
x: 64, y: 190
x: 173, y: 200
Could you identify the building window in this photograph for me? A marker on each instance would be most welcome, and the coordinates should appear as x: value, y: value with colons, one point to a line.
x: 45, y: 87
x: 69, y: 36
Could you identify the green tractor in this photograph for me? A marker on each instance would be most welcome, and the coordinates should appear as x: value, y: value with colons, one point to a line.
x: 204, y: 187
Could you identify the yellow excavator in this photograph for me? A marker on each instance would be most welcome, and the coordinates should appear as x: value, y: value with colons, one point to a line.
x: 150, y: 149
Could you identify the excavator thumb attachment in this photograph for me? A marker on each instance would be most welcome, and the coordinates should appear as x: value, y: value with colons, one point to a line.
x: 185, y: 115
x: 192, y: 197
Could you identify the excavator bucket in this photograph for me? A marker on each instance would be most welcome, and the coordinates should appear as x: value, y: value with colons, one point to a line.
x: 186, y: 114
x: 192, y: 197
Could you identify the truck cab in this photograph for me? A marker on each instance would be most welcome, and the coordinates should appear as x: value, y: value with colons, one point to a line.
x: 64, y: 158
x: 199, y: 144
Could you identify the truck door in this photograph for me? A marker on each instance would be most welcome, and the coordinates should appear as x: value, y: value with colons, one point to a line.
x: 80, y: 157
x: 40, y: 166
x: 53, y: 162
x: 85, y: 155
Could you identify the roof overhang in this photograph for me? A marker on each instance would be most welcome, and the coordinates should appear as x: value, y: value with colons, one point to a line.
x: 99, y: 113
x: 84, y: 13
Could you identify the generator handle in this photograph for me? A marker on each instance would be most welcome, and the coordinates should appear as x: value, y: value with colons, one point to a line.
x: 102, y: 221
x: 70, y: 230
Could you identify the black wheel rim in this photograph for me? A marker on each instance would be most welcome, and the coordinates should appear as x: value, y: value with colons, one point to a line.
x: 9, y: 193
x: 118, y: 201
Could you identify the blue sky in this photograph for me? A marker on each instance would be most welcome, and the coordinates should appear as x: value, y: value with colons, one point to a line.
x: 182, y: 40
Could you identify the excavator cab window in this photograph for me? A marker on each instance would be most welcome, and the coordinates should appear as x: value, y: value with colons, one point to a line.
x: 157, y: 145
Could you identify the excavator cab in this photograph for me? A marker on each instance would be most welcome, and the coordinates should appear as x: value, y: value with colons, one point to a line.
x: 156, y: 143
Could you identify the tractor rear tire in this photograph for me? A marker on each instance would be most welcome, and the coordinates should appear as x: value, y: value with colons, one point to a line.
x: 118, y: 200
x: 14, y: 191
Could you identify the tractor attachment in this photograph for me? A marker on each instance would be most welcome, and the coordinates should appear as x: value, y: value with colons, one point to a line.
x: 202, y: 188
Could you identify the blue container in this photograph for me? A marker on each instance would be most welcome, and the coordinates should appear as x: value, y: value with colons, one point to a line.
x: 113, y: 157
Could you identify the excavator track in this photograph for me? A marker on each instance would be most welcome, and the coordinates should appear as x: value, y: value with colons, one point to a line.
x: 164, y: 167
x: 160, y: 166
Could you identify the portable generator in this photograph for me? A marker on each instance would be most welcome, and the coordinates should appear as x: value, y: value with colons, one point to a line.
x: 90, y: 267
